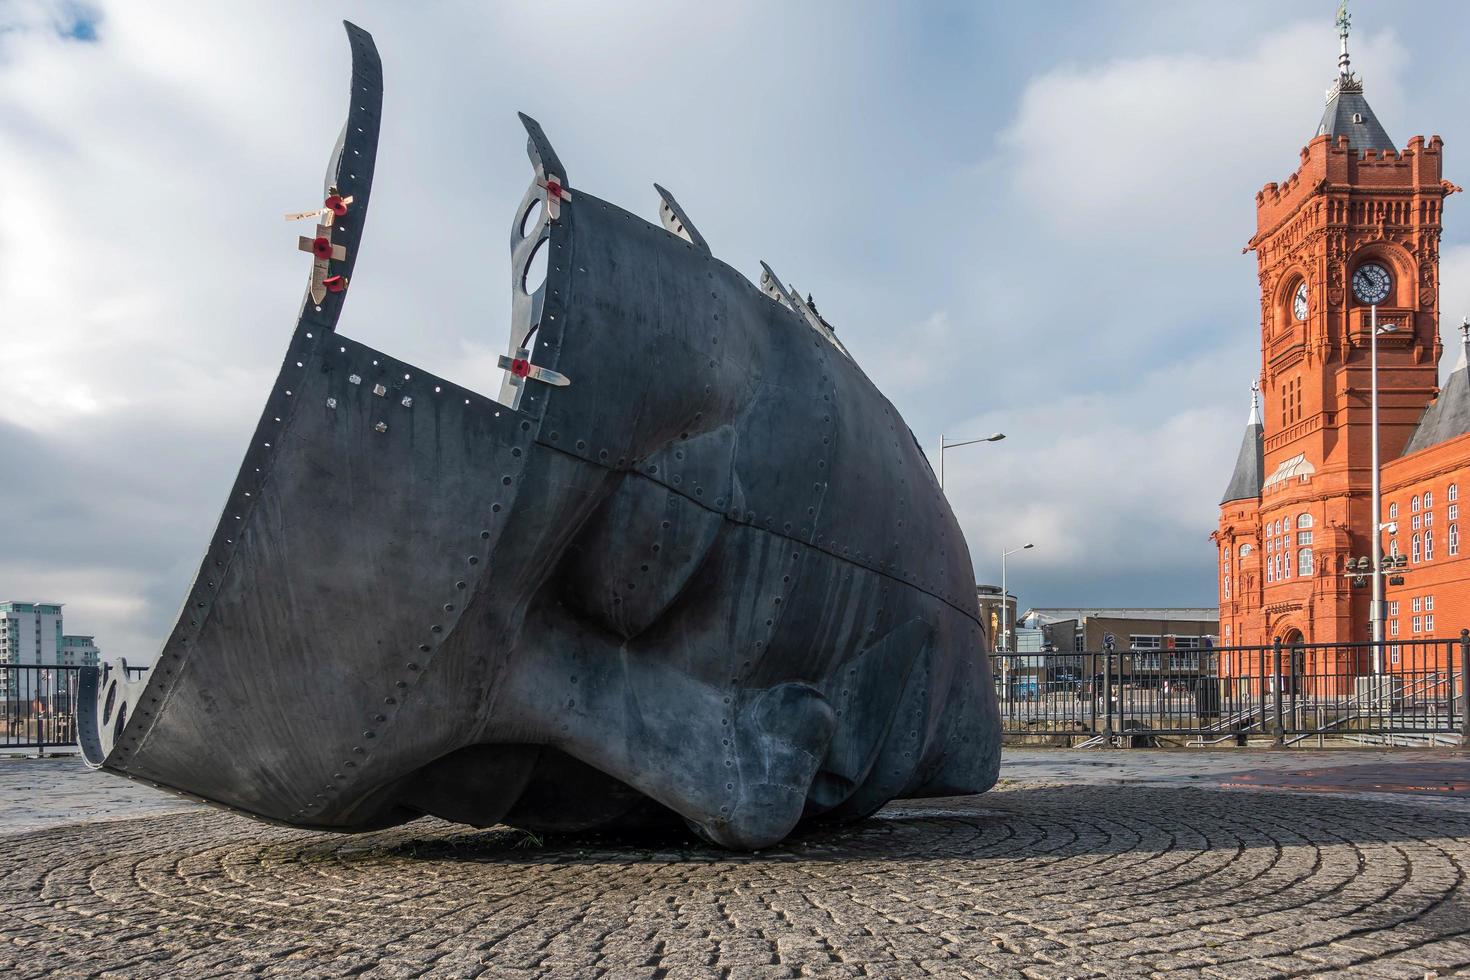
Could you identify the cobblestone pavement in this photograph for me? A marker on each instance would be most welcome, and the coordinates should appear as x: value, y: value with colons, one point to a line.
x: 1033, y: 879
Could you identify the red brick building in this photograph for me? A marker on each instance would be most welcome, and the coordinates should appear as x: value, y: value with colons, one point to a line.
x: 1298, y: 505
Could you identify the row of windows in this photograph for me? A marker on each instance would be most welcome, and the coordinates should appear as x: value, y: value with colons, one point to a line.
x: 1419, y: 624
x: 1153, y: 641
x: 1425, y: 501
x: 1278, y: 566
x: 1421, y: 546
x: 1181, y: 660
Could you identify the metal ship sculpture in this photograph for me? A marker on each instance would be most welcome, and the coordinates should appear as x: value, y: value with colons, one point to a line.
x: 689, y: 566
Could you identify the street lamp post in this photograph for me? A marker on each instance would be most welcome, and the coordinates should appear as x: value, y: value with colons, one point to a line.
x: 1005, y: 628
x: 1377, y: 617
x: 1372, y: 284
x: 943, y: 445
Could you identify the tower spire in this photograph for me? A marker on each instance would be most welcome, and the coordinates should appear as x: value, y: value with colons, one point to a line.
x: 1344, y: 21
x: 1245, y: 480
x: 1465, y: 342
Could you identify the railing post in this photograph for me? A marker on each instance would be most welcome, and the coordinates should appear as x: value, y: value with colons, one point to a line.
x: 1464, y: 687
x: 1264, y: 689
x: 1107, y: 699
x: 1276, y: 654
x: 1092, y: 693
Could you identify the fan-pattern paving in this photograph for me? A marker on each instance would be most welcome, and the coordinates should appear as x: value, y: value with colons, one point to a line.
x: 1034, y: 881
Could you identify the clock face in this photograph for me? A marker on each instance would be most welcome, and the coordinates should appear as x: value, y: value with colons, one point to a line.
x: 1299, y: 301
x: 1371, y: 283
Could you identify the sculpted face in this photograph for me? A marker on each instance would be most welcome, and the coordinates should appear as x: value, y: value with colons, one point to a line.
x: 690, y: 568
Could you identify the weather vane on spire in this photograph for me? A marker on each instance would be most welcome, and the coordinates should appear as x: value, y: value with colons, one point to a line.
x: 1343, y: 23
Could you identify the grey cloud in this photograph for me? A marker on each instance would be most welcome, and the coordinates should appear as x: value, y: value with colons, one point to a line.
x: 903, y: 174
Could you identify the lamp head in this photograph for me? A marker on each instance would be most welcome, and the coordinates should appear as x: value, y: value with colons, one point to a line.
x: 995, y: 437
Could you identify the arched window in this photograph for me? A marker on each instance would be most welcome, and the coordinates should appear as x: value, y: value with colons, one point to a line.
x: 1270, y: 571
x: 1304, y: 561
x: 1414, y: 550
x: 1393, y: 510
x: 1454, y: 491
x: 1414, y: 504
x: 1304, y: 520
x: 1428, y: 499
x: 1454, y: 539
x: 1245, y: 550
x: 1429, y: 546
x: 1286, y: 565
x: 1393, y: 546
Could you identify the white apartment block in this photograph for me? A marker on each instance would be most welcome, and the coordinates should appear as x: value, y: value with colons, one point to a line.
x: 31, y: 635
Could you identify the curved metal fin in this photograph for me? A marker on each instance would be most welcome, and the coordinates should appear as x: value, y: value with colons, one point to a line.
x: 538, y: 148
x: 773, y: 287
x: 348, y: 182
x: 676, y: 221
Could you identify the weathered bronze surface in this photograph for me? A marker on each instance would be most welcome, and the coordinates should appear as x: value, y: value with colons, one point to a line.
x: 690, y: 565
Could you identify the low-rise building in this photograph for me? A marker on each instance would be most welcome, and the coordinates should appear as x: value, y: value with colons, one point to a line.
x: 991, y: 606
x: 1154, y: 643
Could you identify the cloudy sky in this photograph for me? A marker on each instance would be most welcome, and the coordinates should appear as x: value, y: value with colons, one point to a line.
x: 1022, y: 217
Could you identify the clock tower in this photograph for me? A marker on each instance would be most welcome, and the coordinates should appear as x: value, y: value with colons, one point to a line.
x: 1357, y: 226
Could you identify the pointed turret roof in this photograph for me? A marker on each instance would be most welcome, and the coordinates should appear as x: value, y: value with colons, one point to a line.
x: 1448, y: 415
x: 1348, y: 113
x: 1245, y: 482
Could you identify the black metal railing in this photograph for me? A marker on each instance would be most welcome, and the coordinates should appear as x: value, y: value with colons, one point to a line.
x: 38, y: 705
x: 1402, y: 692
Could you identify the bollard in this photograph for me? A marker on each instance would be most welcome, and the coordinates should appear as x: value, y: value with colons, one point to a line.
x: 1276, y: 654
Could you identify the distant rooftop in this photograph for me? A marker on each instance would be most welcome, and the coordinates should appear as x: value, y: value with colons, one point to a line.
x: 1051, y: 614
